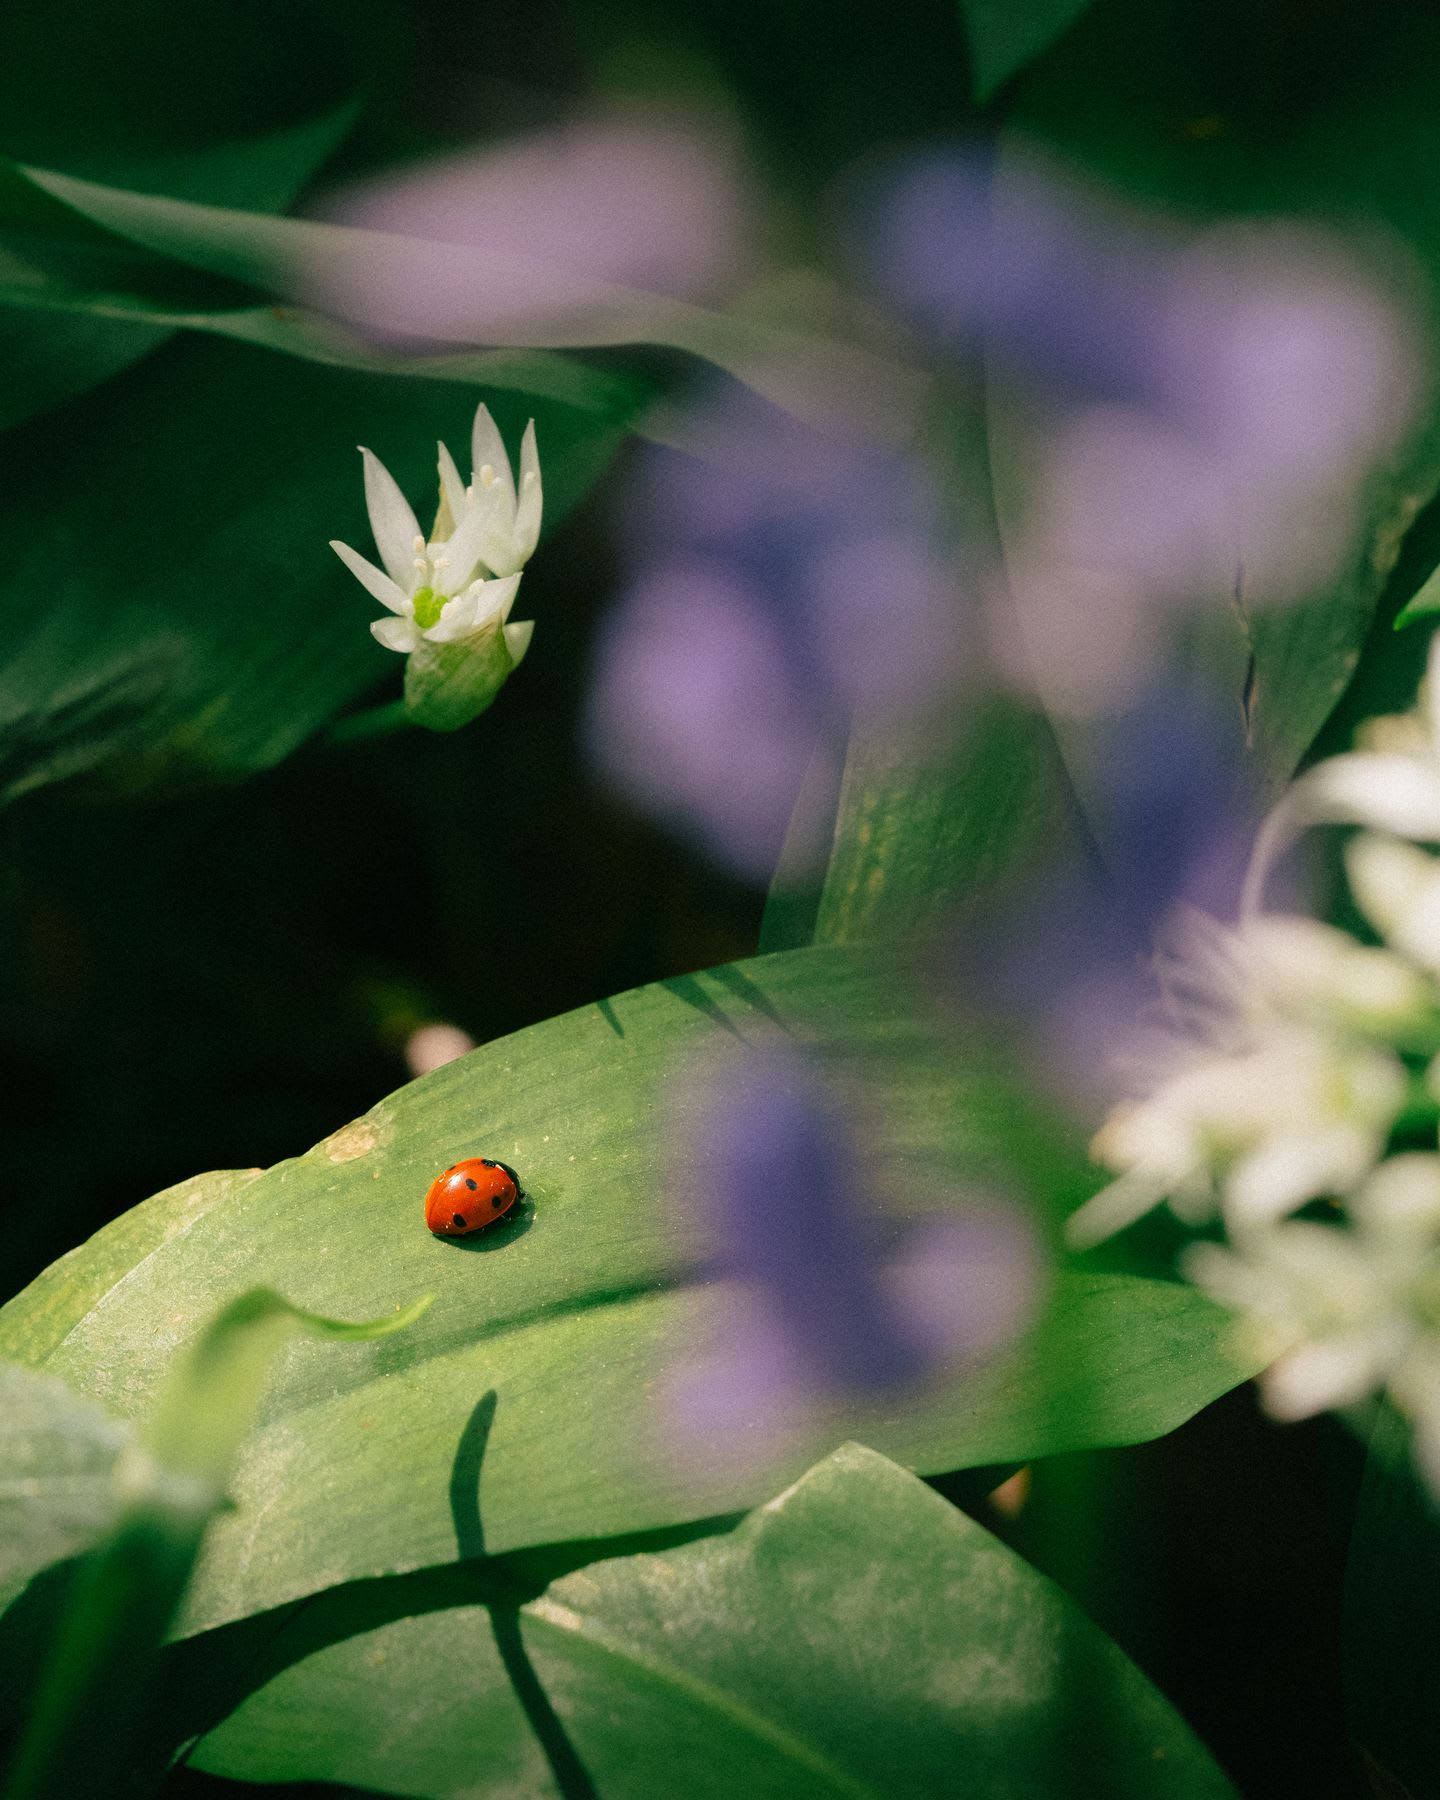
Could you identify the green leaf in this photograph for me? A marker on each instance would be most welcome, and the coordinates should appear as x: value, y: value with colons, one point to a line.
x: 57, y: 1455
x: 922, y: 828
x: 1424, y: 602
x: 168, y: 1487
x: 50, y: 355
x: 573, y: 1317
x: 1007, y: 34
x: 787, y: 360
x: 856, y: 1636
x: 119, y: 94
x: 1391, y: 1659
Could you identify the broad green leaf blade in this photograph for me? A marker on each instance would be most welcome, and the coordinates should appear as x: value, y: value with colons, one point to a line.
x: 57, y: 1456
x: 789, y: 363
x: 291, y: 330
x: 167, y: 1489
x: 196, y: 625
x: 856, y: 1636
x: 59, y: 1298
x: 1007, y: 34
x: 573, y: 1318
x: 1391, y: 1656
x: 924, y: 829
x: 50, y: 355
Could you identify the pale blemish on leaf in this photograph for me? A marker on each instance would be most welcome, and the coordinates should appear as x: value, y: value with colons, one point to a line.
x: 352, y: 1141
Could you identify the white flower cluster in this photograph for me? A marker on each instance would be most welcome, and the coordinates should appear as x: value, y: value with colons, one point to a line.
x: 450, y: 594
x: 1294, y: 1056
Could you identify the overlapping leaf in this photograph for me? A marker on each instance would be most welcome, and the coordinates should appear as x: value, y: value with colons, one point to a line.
x: 1005, y: 35
x: 715, y: 1669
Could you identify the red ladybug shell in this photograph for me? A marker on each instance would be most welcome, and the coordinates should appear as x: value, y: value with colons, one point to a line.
x: 472, y: 1195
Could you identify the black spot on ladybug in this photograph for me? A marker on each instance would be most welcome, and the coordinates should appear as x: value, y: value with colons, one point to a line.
x: 459, y: 1220
x: 485, y: 1163
x: 498, y: 1202
x: 470, y: 1184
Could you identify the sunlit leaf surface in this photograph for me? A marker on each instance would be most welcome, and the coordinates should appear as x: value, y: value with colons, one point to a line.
x: 569, y: 1319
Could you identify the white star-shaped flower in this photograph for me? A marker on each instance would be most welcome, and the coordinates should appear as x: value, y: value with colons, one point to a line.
x: 1344, y: 1310
x: 434, y: 589
x: 1272, y: 1089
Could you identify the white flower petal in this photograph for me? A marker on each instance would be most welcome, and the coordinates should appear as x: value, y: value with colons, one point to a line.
x: 396, y: 634
x: 1327, y: 1372
x: 487, y: 447
x: 1284, y: 1172
x: 1228, y: 1279
x: 1308, y: 969
x: 1386, y: 876
x: 378, y: 585
x: 482, y: 607
x: 517, y: 639
x: 391, y: 519
x: 1120, y: 1204
x: 451, y: 486
x: 500, y: 595
x: 1397, y: 887
x: 466, y: 614
x: 462, y: 552
x: 1392, y: 793
x: 529, y: 503
x: 1401, y: 1199
x: 1387, y: 790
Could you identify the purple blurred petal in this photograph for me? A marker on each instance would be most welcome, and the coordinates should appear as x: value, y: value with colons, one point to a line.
x: 1171, y: 813
x: 642, y: 202
x: 806, y: 1304
x: 1058, y: 283
x: 691, y: 713
x: 1175, y: 414
x: 784, y: 579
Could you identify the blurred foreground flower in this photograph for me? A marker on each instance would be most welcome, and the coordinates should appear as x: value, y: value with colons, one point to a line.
x: 1165, y: 827
x: 1277, y: 1082
x: 1344, y: 1312
x: 812, y: 1306
x: 433, y: 1045
x: 785, y: 582
x: 1190, y: 416
x: 451, y: 613
x: 553, y: 238
x: 1303, y: 1069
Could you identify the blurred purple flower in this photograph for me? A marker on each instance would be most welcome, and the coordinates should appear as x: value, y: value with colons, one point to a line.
x: 1060, y: 288
x: 547, y: 239
x: 783, y: 581
x: 1196, y: 413
x: 1171, y: 812
x: 784, y: 1194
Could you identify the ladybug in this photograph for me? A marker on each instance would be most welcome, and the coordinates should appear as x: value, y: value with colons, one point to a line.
x: 470, y: 1196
